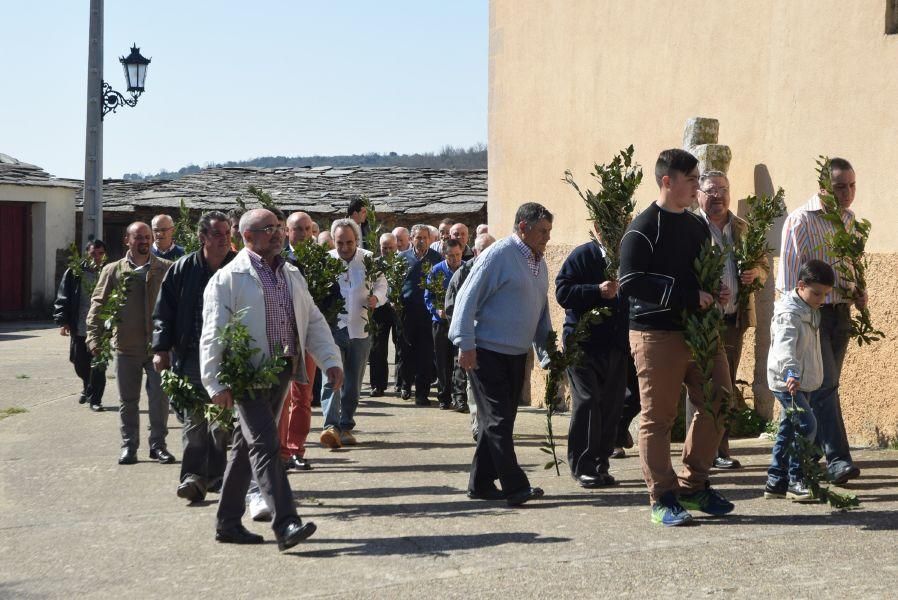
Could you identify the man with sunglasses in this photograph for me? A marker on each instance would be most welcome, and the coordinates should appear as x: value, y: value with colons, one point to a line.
x: 270, y: 297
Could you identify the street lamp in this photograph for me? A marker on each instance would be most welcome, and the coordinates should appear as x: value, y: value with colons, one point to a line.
x: 135, y: 67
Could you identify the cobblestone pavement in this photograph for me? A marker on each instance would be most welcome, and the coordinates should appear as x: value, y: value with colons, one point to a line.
x: 393, y: 520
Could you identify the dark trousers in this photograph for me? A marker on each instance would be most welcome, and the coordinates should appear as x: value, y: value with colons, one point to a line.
x: 835, y: 329
x: 205, y: 448
x: 497, y: 383
x: 446, y: 356
x: 255, y: 454
x: 631, y: 406
x: 459, y: 384
x: 93, y: 381
x: 417, y: 352
x: 598, y: 385
x: 397, y: 345
x: 378, y: 369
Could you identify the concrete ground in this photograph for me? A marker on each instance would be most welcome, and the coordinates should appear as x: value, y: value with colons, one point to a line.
x: 393, y: 520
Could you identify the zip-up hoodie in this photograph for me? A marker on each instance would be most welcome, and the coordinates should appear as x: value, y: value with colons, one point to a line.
x: 794, y: 344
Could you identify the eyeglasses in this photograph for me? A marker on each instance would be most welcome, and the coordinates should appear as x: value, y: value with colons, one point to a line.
x: 716, y: 192
x: 269, y: 229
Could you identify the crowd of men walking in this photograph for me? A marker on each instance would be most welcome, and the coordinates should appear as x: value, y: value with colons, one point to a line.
x: 469, y: 331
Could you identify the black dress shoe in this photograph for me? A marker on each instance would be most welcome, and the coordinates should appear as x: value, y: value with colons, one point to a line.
x: 492, y: 493
x: 445, y: 406
x: 82, y: 398
x: 376, y: 392
x: 589, y: 481
x: 127, y: 457
x: 297, y: 463
x: 462, y: 407
x: 162, y: 455
x: 237, y: 535
x: 726, y: 462
x: 422, y: 402
x: 191, y: 490
x: 405, y: 394
x: 96, y: 407
x: 619, y: 453
x: 840, y: 477
x: 525, y: 495
x: 294, y: 533
x: 215, y: 486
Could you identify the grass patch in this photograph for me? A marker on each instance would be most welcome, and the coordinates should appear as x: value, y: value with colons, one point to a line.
x: 8, y: 412
x: 23, y: 376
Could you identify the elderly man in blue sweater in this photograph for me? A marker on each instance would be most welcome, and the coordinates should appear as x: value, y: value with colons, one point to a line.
x: 500, y: 312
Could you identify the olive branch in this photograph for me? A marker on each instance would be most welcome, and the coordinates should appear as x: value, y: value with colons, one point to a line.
x: 611, y: 208
x: 372, y: 238
x: 374, y: 268
x: 702, y: 327
x: 753, y: 249
x: 848, y: 246
x: 559, y: 361
x: 76, y: 264
x: 395, y: 269
x: 807, y: 452
x: 110, y: 316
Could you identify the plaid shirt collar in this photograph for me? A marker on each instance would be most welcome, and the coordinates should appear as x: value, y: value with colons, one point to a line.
x: 532, y: 259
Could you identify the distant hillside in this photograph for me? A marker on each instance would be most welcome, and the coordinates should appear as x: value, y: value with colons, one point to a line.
x: 447, y: 158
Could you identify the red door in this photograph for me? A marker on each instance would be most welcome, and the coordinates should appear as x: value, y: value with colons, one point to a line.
x: 15, y: 219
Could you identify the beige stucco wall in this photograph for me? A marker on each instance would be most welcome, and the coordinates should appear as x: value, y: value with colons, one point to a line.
x: 52, y: 229
x: 573, y: 82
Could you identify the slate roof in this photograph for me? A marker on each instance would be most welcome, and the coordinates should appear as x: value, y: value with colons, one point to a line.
x: 16, y: 172
x: 317, y: 190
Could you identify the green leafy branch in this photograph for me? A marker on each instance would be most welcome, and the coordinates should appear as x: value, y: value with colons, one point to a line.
x: 237, y: 371
x: 77, y: 263
x: 185, y: 230
x: 703, y: 327
x: 559, y: 361
x: 372, y: 238
x: 807, y: 452
x: 264, y: 198
x: 848, y: 246
x: 435, y: 283
x: 395, y: 270
x: 321, y: 271
x: 374, y: 268
x: 611, y: 208
x: 110, y: 316
x: 187, y: 399
x: 753, y: 250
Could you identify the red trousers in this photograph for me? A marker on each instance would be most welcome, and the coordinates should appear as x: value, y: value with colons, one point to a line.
x: 296, y: 416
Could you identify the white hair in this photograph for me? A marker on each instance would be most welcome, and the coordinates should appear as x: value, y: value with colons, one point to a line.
x: 483, y: 241
x: 346, y: 223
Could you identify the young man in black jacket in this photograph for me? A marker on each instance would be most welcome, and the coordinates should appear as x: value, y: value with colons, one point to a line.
x: 177, y: 324
x: 70, y: 313
x: 599, y: 382
x: 657, y: 275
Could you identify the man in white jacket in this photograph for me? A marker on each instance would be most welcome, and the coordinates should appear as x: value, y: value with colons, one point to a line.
x: 272, y: 300
x: 351, y: 333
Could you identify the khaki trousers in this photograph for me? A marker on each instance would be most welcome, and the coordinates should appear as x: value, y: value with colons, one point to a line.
x: 663, y: 365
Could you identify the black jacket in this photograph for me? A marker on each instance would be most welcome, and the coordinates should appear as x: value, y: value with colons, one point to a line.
x: 68, y: 299
x: 577, y: 291
x: 174, y: 326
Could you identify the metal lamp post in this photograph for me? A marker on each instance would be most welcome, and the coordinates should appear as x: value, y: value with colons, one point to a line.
x: 101, y: 100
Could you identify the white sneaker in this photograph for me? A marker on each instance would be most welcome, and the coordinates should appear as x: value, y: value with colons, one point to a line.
x: 258, y: 510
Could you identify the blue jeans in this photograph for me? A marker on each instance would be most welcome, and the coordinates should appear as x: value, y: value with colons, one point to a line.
x: 338, y: 406
x: 835, y: 323
x: 785, y: 465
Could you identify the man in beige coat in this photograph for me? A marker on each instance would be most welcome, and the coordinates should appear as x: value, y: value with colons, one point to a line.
x: 131, y: 340
x: 727, y: 230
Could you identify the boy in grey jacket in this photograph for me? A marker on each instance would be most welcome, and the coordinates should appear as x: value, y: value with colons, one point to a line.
x: 794, y: 369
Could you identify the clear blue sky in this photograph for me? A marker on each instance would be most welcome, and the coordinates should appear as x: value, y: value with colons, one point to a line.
x: 235, y: 80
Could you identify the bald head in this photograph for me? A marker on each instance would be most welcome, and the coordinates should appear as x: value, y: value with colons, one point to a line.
x: 459, y: 232
x: 262, y: 232
x: 138, y: 238
x: 163, y: 231
x: 387, y: 244
x: 299, y: 227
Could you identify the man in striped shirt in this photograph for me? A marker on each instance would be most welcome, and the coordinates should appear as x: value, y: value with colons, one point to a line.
x: 804, y: 238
